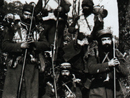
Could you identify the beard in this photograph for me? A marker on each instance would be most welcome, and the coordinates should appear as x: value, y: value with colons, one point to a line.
x: 28, y: 21
x: 107, y: 47
x: 65, y: 78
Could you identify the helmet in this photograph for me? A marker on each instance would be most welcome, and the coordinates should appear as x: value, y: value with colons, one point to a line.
x: 65, y: 65
x: 104, y: 32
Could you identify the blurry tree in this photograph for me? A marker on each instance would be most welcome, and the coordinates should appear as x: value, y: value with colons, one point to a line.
x: 14, y: 7
x: 124, y: 25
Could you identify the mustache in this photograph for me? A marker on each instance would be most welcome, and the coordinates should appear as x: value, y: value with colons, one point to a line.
x: 107, y: 45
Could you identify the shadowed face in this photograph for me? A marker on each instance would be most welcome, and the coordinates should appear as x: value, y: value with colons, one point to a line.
x: 106, y: 43
x: 27, y: 16
x: 65, y: 75
x: 65, y: 72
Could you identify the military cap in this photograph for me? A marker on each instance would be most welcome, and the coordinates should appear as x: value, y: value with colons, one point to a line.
x: 104, y: 32
x: 65, y: 65
x: 28, y: 7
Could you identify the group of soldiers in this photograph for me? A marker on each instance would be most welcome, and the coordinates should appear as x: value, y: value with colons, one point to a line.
x: 40, y: 65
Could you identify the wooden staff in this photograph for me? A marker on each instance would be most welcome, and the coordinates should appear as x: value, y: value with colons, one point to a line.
x: 114, y: 67
x: 54, y: 51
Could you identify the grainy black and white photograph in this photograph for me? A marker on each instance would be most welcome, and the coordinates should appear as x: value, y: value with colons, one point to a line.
x: 64, y: 49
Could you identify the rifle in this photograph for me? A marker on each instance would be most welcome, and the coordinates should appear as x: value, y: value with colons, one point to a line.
x: 54, y: 52
x: 24, y: 61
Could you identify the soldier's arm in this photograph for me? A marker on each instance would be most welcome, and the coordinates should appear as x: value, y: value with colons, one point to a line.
x: 42, y: 44
x: 94, y: 67
x: 8, y: 45
x: 122, y: 68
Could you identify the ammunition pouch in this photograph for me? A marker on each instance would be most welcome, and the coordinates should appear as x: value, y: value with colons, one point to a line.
x: 14, y: 60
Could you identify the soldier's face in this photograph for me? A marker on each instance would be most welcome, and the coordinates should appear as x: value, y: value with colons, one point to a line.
x: 106, y: 41
x: 65, y: 72
x: 65, y: 75
x: 27, y: 16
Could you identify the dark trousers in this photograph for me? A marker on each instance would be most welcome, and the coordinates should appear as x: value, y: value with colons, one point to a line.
x: 29, y: 85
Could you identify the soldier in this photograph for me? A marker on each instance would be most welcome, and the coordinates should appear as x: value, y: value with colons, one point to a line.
x: 90, y: 20
x: 67, y: 84
x: 76, y: 54
x: 100, y: 65
x: 50, y: 15
x: 22, y: 43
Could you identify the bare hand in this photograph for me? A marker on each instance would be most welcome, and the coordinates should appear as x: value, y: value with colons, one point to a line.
x: 25, y: 45
x: 113, y: 62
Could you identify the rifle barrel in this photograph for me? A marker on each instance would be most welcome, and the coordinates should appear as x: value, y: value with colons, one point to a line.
x: 22, y: 73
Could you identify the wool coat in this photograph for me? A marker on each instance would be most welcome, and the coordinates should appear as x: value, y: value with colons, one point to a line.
x: 12, y: 46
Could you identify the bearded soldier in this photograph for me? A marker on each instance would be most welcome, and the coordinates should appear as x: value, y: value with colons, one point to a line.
x: 16, y: 41
x: 100, y: 65
x: 67, y: 84
x: 76, y: 54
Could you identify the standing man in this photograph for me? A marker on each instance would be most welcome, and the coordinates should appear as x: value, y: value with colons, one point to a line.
x: 100, y: 66
x: 50, y: 20
x: 16, y: 42
x: 76, y: 54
